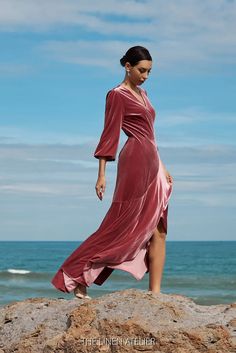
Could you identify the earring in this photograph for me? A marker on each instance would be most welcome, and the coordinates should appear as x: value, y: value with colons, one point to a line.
x: 128, y: 72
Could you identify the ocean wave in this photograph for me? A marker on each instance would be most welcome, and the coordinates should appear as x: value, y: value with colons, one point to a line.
x: 14, y: 273
x: 18, y: 271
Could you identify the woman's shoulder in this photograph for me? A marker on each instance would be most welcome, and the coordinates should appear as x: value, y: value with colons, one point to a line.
x: 116, y: 89
x: 115, y: 92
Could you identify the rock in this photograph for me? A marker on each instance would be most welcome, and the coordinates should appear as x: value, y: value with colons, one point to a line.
x: 126, y: 321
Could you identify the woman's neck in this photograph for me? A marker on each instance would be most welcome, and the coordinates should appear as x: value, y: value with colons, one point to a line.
x: 127, y: 83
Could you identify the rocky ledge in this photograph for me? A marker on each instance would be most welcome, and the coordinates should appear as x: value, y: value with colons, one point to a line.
x: 126, y: 321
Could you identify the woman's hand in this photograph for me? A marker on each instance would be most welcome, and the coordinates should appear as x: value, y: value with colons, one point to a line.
x: 100, y: 186
x: 169, y: 177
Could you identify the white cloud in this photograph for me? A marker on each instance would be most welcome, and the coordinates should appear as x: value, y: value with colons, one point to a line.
x: 48, y: 13
x: 89, y: 16
x: 183, y: 128
x: 27, y: 188
x: 14, y: 134
x: 194, y: 115
x: 211, y: 200
x: 46, y: 188
x: 82, y: 52
x: 8, y: 69
x: 58, y: 168
x: 194, y: 126
x: 46, y: 184
x: 184, y: 35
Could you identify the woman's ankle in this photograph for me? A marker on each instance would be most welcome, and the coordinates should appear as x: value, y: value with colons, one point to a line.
x: 155, y: 290
x: 82, y: 287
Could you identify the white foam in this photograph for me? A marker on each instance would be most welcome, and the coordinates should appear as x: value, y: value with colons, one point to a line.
x: 20, y: 272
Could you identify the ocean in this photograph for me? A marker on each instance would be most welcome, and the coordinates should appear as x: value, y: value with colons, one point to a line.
x: 202, y: 270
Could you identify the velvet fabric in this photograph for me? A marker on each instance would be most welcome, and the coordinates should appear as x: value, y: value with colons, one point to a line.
x: 140, y: 198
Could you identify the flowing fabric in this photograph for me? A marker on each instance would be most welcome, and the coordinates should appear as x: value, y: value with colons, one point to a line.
x: 140, y: 199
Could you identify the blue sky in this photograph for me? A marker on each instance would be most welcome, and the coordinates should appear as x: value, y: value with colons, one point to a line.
x: 60, y: 57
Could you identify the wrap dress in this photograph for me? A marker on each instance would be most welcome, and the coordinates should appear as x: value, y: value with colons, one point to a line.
x: 140, y: 198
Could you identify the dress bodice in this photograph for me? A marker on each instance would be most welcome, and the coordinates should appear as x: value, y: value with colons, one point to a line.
x: 125, y: 111
x: 138, y: 119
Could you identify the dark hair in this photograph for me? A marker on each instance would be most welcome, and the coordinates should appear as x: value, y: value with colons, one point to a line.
x: 134, y: 55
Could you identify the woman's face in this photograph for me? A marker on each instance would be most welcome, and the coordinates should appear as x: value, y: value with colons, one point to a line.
x: 139, y: 73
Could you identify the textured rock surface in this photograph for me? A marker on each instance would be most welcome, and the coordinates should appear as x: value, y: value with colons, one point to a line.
x: 126, y: 321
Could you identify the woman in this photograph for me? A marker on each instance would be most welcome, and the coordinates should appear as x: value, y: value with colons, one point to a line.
x: 132, y: 235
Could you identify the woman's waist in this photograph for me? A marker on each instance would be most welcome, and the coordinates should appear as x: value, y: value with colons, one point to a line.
x: 143, y: 151
x: 144, y: 146
x: 143, y: 139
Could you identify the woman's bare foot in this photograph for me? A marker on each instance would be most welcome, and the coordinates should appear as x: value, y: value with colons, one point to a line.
x: 81, y: 292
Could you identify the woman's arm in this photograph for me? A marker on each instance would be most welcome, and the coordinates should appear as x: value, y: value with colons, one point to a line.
x: 109, y: 140
x: 108, y: 145
x: 101, y: 181
x: 102, y: 167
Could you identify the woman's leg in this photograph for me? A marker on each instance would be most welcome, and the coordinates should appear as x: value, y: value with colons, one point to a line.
x: 156, y: 258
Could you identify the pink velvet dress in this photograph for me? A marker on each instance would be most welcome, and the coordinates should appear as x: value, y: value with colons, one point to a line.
x: 140, y: 198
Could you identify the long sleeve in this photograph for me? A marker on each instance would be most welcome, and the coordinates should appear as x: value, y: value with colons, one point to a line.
x: 109, y: 140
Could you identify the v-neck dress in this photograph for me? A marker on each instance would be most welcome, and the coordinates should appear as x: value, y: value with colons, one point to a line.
x: 140, y: 199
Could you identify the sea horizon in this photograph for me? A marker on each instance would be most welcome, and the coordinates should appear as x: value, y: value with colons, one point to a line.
x: 202, y: 270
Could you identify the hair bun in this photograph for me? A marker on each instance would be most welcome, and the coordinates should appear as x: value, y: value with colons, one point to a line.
x: 123, y: 60
x: 134, y: 55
